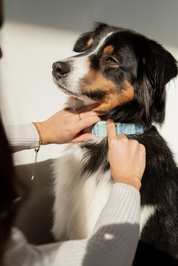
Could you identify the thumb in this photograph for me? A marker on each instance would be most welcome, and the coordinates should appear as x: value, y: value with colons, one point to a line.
x: 111, y: 130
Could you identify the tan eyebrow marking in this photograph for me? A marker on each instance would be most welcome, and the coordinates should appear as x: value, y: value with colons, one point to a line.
x: 90, y: 42
x: 109, y: 49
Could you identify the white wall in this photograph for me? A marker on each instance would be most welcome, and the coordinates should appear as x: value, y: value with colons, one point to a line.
x: 37, y: 33
x: 28, y: 92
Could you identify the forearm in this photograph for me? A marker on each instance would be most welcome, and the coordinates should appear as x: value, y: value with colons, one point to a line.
x: 22, y: 137
x: 113, y: 241
x: 119, y: 224
x: 115, y: 237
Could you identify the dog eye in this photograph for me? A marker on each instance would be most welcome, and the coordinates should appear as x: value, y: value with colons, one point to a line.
x: 111, y: 60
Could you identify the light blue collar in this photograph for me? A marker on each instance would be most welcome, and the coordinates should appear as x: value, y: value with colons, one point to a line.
x: 100, y: 130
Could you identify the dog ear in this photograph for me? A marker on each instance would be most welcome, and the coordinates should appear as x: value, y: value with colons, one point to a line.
x: 98, y: 26
x: 85, y: 40
x: 159, y: 67
x: 81, y: 44
x: 166, y: 64
x: 156, y: 68
x: 159, y: 64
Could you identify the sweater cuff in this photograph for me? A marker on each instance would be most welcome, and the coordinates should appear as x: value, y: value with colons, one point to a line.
x: 22, y: 137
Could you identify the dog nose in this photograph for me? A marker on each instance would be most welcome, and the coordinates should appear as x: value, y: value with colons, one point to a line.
x: 60, y: 69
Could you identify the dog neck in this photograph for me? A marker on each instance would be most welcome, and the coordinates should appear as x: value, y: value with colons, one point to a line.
x: 100, y: 129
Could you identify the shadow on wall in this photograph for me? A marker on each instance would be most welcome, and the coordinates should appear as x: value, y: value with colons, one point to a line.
x: 34, y: 215
x: 152, y: 18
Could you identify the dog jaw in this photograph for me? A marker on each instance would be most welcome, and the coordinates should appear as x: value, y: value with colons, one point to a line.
x: 111, y: 96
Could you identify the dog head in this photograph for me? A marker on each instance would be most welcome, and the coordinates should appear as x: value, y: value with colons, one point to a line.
x: 121, y: 72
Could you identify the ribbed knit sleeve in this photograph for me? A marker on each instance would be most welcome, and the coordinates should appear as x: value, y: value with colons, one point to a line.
x: 22, y: 137
x: 113, y: 241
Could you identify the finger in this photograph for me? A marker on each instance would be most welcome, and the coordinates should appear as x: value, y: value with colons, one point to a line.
x: 142, y: 149
x: 83, y: 137
x: 111, y: 129
x: 87, y: 122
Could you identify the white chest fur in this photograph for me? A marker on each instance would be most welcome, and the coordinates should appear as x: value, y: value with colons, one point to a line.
x: 79, y: 200
x: 146, y: 212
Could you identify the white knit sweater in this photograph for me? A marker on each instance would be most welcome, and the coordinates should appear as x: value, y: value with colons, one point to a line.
x: 114, y: 238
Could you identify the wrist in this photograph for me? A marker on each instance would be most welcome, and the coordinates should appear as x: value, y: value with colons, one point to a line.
x: 132, y: 181
x: 41, y: 128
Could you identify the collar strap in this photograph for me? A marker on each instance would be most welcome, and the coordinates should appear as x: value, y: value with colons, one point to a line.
x: 100, y: 130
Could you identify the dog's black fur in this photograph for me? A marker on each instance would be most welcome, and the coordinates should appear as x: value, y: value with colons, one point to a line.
x: 148, y: 67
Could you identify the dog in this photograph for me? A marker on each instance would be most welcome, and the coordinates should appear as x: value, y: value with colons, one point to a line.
x: 123, y: 74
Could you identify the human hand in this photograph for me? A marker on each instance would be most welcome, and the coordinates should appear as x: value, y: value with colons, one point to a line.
x: 65, y: 126
x: 127, y: 158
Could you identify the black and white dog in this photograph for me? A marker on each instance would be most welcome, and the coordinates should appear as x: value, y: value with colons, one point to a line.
x: 124, y: 74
